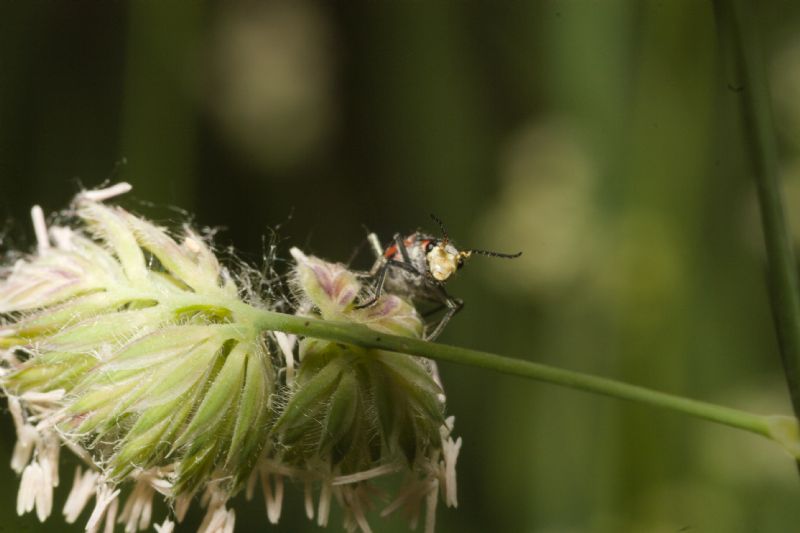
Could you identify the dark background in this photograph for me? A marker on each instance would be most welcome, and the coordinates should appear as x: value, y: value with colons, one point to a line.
x: 601, y: 138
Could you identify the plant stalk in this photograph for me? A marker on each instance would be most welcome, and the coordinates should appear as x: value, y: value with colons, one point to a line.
x: 734, y: 23
x: 363, y: 336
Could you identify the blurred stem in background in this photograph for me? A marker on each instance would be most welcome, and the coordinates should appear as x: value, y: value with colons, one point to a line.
x: 159, y: 133
x: 735, y: 24
x: 658, y: 237
x: 581, y: 48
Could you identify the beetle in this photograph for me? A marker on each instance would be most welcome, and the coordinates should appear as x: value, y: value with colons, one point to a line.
x: 417, y: 267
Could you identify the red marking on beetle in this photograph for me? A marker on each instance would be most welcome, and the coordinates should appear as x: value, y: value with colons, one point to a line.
x: 390, y: 252
x: 409, y: 242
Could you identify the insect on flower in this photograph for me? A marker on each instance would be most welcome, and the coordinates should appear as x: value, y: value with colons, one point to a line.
x: 418, y: 267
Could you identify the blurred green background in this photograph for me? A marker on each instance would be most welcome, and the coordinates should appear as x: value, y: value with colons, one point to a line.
x: 601, y: 138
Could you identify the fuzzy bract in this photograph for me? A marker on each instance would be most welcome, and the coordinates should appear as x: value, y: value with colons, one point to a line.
x: 354, y: 413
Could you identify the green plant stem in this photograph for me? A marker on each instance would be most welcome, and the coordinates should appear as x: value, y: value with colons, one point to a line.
x: 737, y: 34
x: 363, y: 336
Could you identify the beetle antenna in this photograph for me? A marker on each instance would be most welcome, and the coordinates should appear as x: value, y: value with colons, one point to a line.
x: 496, y: 254
x: 441, y: 227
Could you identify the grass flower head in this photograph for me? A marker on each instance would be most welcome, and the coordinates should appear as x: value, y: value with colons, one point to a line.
x: 128, y: 346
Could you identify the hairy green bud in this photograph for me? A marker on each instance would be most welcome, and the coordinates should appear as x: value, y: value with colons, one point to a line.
x: 139, y: 340
x: 353, y: 413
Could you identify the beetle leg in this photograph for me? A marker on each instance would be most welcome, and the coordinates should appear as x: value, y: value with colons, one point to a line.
x: 454, y: 305
x: 380, y: 280
x: 398, y: 240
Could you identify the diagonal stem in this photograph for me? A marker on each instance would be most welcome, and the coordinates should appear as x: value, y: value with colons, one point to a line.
x: 363, y: 336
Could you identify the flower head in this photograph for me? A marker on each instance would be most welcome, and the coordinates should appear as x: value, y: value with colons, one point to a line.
x: 352, y: 413
x: 145, y: 357
x: 128, y: 346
